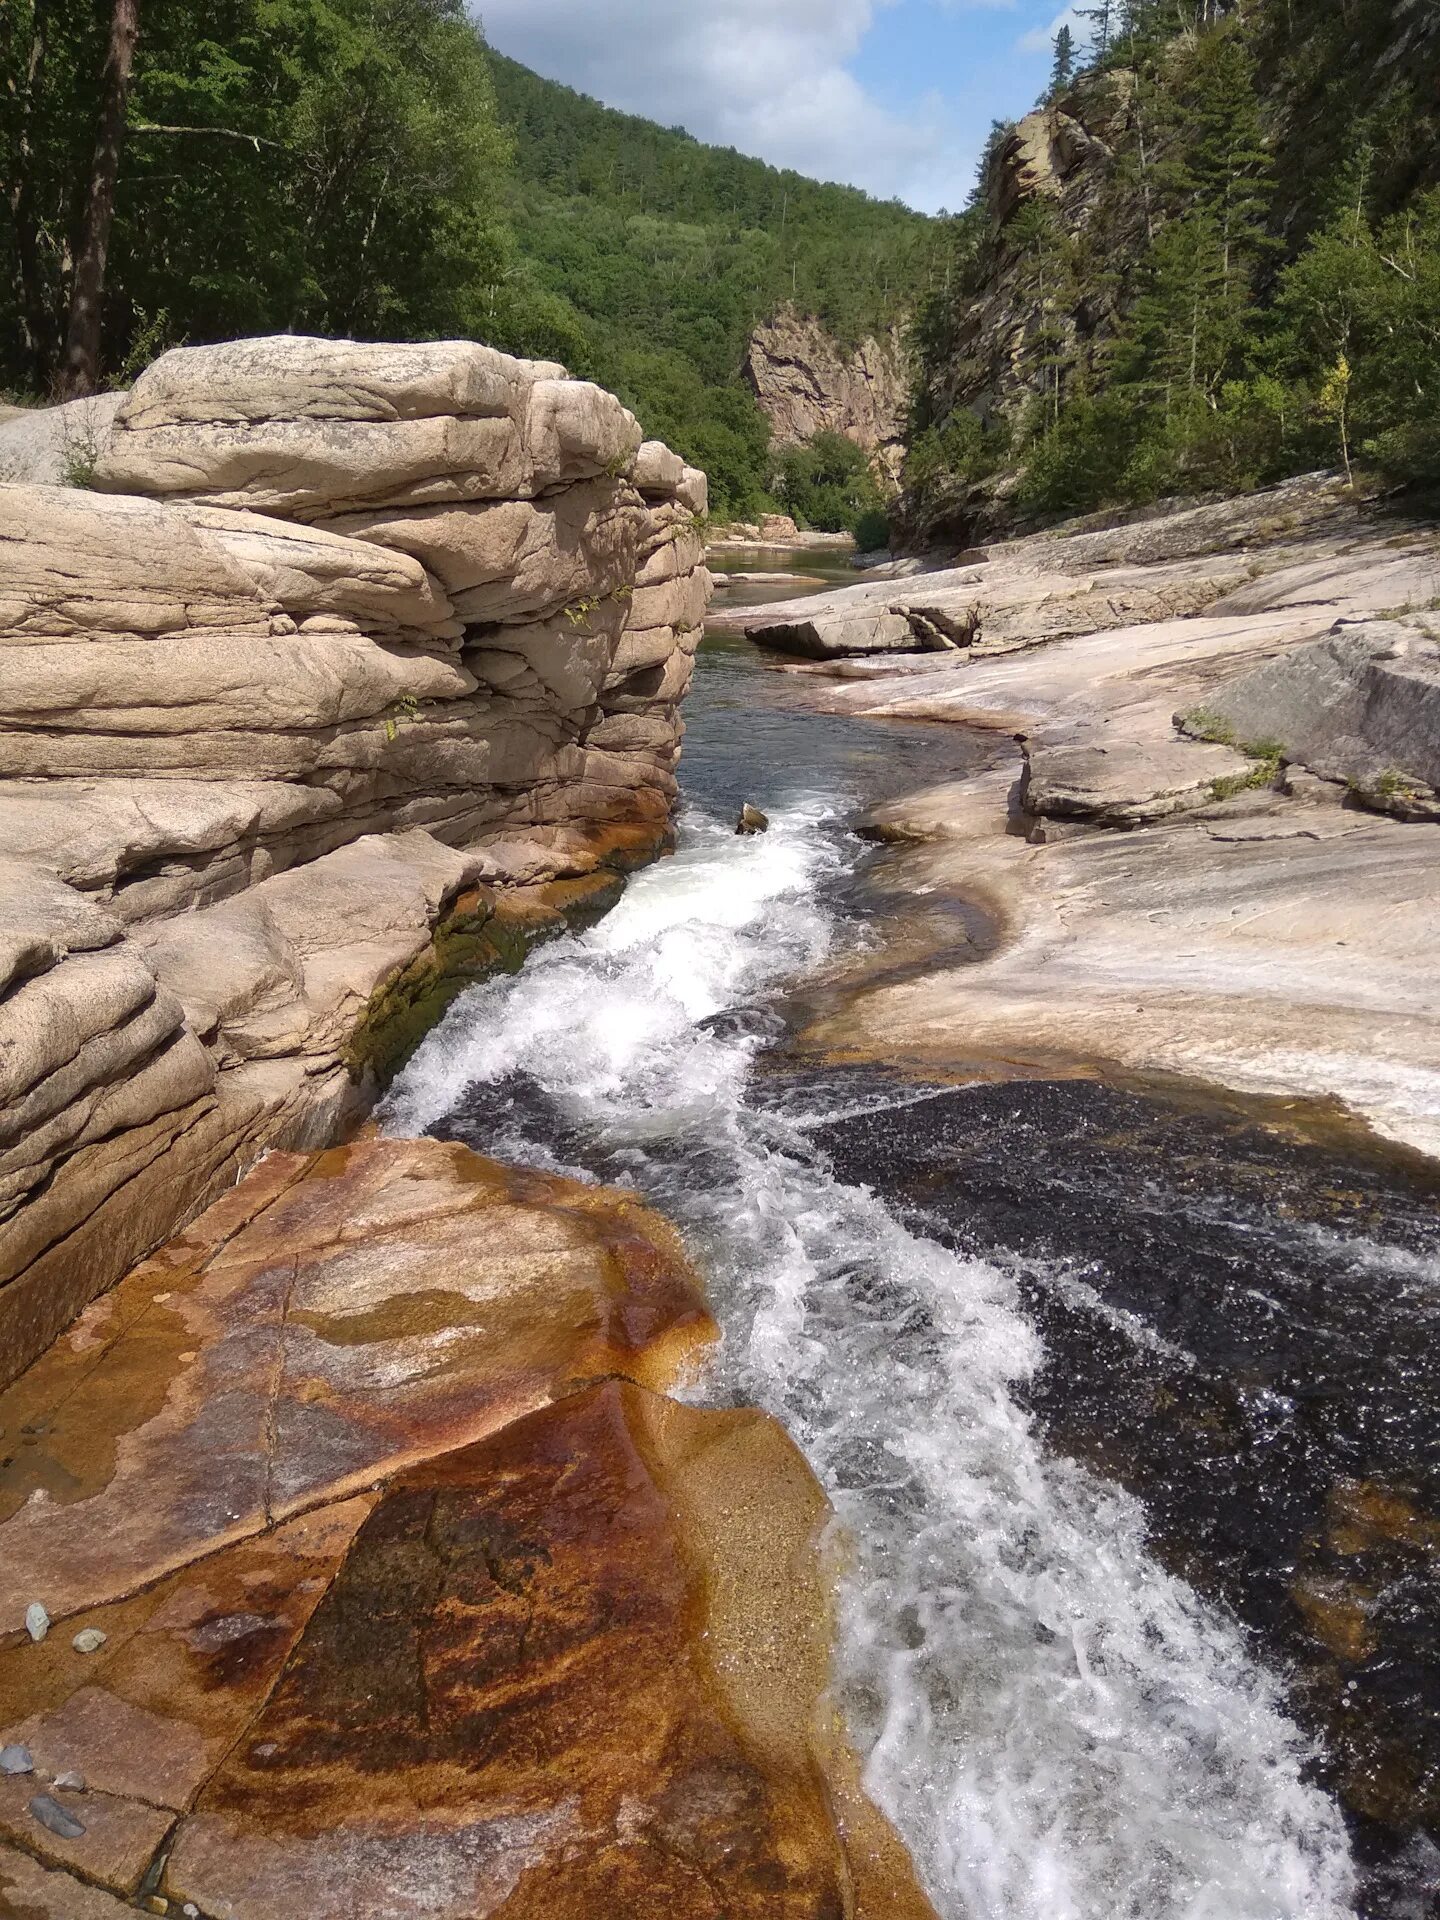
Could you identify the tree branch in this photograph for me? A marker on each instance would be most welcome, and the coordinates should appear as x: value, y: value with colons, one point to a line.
x: 255, y: 140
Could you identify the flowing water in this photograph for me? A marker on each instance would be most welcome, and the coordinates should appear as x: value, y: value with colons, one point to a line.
x: 1061, y: 1724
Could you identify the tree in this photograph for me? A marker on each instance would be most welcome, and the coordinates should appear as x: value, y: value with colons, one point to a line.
x: 1062, y: 72
x: 1102, y: 22
x: 80, y: 373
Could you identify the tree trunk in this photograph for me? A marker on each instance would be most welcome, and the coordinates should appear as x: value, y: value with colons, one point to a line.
x: 80, y: 373
x: 37, y: 340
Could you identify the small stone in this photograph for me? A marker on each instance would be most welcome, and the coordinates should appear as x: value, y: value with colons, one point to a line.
x: 53, y: 1817
x: 70, y: 1782
x: 157, y: 1903
x: 190, y: 1910
x: 37, y: 1621
x: 16, y: 1760
x: 752, y: 820
x: 89, y: 1640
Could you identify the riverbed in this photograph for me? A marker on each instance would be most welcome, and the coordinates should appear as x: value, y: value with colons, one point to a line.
x: 1126, y: 1397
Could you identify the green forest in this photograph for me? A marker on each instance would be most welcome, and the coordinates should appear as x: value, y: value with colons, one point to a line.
x: 370, y: 168
x: 1254, y: 287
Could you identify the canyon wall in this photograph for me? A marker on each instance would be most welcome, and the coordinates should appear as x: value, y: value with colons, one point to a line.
x: 807, y: 383
x: 350, y: 671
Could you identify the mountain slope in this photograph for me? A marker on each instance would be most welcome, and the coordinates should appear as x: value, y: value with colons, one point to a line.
x: 646, y: 259
x: 1208, y: 259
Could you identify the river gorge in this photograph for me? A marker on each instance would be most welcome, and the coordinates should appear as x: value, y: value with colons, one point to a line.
x: 563, y: 1358
x: 1124, y: 1397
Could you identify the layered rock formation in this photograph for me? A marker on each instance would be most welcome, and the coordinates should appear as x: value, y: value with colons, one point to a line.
x: 341, y: 639
x: 1180, y: 856
x: 808, y: 384
x: 382, y: 1580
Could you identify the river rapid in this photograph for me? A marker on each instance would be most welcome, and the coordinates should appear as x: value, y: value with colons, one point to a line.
x: 1009, y: 1327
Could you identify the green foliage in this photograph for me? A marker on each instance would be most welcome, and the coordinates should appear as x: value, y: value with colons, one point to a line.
x: 872, y: 530
x: 828, y: 485
x: 1262, y: 252
x: 656, y: 256
x: 328, y: 165
x: 368, y: 167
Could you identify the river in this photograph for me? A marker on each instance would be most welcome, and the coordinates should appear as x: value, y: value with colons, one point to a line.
x: 1126, y: 1401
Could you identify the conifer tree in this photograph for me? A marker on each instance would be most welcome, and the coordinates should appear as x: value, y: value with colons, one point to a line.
x: 1063, y: 70
x: 1102, y: 24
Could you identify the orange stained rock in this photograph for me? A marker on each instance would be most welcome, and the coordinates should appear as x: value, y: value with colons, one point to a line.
x: 575, y: 1670
x: 30, y: 1891
x: 147, y: 1718
x: 333, y: 1321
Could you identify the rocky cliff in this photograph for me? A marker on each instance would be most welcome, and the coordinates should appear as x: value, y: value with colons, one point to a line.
x: 354, y: 670
x: 808, y: 384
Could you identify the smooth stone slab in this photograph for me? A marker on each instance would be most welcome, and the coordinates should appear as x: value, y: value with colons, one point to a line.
x: 577, y: 1670
x: 332, y: 1321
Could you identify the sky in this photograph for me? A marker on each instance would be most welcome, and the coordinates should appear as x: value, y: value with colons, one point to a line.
x: 896, y: 96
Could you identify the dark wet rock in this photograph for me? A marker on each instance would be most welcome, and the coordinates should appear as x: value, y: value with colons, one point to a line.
x: 752, y: 820
x: 55, y: 1819
x: 745, y: 1023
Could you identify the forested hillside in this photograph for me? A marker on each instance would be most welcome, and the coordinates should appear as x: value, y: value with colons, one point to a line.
x: 655, y: 256
x: 368, y: 167
x: 1211, y: 258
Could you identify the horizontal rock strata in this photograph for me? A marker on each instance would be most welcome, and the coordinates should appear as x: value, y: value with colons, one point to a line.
x: 336, y: 635
x: 399, y: 1588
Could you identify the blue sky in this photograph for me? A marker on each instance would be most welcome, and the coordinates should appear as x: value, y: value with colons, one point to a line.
x: 896, y: 96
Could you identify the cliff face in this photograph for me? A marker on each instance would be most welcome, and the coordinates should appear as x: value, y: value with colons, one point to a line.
x: 359, y: 670
x: 1063, y: 158
x: 808, y: 384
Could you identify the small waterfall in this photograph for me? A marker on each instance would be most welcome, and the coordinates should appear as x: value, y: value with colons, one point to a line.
x: 1059, y: 1728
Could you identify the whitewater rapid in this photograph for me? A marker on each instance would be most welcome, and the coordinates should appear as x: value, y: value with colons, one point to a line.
x: 1059, y: 1728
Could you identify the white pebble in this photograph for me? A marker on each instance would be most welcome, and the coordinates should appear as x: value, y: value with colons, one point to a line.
x: 88, y: 1640
x: 37, y: 1621
x: 70, y: 1782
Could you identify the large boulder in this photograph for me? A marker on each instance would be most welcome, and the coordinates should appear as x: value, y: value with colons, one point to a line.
x: 1361, y: 705
x: 832, y: 636
x: 517, y: 558
x: 306, y: 428
x: 57, y: 446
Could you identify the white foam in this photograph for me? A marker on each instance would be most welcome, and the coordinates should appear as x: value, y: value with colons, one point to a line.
x: 1060, y: 1729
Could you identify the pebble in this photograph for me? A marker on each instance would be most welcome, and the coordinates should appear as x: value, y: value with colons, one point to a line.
x: 53, y: 1817
x: 89, y: 1640
x: 70, y: 1782
x: 16, y: 1760
x: 37, y: 1621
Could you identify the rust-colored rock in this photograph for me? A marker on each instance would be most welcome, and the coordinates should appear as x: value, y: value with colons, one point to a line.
x: 29, y: 1891
x: 575, y: 1670
x: 333, y: 1321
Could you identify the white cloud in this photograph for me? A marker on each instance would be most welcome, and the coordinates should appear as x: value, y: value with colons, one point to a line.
x: 1042, y: 39
x: 770, y: 77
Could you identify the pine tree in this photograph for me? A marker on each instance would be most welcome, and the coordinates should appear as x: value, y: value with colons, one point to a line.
x: 1102, y: 25
x: 1063, y: 71
x: 1218, y: 161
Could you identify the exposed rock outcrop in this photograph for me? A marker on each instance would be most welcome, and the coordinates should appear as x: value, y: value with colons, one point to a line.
x: 339, y: 634
x: 1362, y: 706
x: 807, y: 384
x: 1252, y: 922
x: 412, y: 1593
